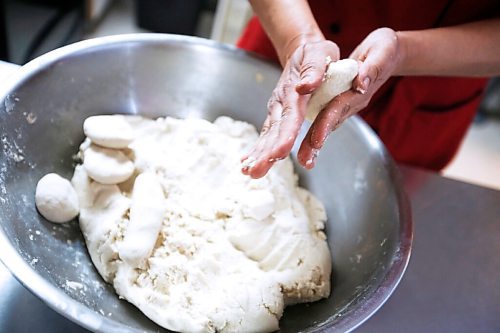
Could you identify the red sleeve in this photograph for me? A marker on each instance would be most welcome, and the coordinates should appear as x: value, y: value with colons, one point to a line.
x: 255, y: 39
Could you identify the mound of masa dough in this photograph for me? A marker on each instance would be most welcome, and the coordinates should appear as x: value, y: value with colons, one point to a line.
x: 193, y: 243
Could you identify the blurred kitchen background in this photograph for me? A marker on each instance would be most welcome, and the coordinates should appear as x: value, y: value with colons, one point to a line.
x: 29, y: 28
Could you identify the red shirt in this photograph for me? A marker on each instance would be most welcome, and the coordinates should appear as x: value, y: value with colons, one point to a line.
x: 421, y: 120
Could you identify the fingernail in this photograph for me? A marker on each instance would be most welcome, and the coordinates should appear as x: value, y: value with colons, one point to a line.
x: 366, y: 83
x: 361, y: 90
x: 364, y: 87
x: 249, y: 163
x: 312, y: 161
x: 344, y: 112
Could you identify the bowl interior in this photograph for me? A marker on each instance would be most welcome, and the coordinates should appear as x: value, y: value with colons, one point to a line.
x: 41, y: 116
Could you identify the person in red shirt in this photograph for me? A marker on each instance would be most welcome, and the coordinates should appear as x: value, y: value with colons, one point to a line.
x: 423, y: 66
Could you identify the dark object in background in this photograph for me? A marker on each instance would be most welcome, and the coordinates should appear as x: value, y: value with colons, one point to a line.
x: 3, y: 33
x: 490, y: 105
x: 34, y: 27
x: 169, y: 16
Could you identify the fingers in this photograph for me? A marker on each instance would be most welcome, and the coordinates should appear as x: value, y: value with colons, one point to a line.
x: 279, y: 133
x: 327, y: 121
x: 361, y: 82
x: 313, y: 64
x: 273, y: 146
x: 307, y: 154
x: 369, y: 72
x: 257, y: 162
x: 303, y: 74
x: 377, y: 55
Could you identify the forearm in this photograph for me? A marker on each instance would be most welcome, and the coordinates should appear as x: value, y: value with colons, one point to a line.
x: 289, y: 23
x: 466, y: 50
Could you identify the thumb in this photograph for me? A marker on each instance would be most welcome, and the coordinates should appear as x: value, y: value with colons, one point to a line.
x: 376, y: 65
x: 370, y: 71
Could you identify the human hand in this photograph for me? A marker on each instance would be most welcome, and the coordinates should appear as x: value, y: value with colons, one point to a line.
x: 378, y: 57
x: 303, y: 73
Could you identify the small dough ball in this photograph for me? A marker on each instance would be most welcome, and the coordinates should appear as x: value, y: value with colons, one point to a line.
x: 56, y: 199
x: 338, y: 79
x: 108, y: 131
x: 107, y: 166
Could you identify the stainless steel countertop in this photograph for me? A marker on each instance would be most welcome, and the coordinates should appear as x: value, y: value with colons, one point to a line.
x: 452, y: 283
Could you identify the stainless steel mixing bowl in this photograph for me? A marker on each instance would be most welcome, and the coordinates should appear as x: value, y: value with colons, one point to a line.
x: 41, y: 115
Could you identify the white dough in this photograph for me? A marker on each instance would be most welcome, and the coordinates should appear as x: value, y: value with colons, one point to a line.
x: 338, y: 79
x: 257, y: 204
x: 108, y: 131
x: 146, y: 216
x: 56, y: 199
x: 192, y: 242
x: 107, y: 166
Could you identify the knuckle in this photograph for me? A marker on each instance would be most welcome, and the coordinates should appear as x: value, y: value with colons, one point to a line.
x: 286, y: 110
x: 284, y: 90
x: 271, y: 102
x: 375, y: 71
x: 336, y: 123
x: 307, y: 68
x: 264, y: 130
x: 273, y: 123
x: 345, y: 110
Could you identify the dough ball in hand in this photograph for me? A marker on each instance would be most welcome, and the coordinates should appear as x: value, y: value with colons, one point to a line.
x: 56, y: 199
x: 338, y: 79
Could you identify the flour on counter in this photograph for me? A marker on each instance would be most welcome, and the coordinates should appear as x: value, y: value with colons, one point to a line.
x: 193, y: 243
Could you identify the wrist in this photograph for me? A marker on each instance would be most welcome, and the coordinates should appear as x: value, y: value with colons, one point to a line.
x: 402, y: 53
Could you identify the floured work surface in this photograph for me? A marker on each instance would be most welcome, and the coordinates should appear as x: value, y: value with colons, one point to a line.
x: 181, y: 233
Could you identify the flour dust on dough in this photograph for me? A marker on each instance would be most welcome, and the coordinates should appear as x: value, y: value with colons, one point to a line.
x: 193, y: 243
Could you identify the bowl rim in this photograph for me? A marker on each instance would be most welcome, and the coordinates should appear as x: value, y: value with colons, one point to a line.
x: 357, y: 317
x: 77, y: 312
